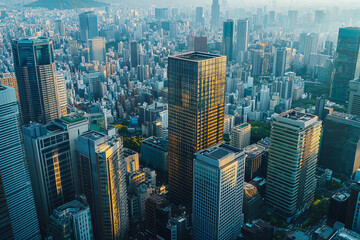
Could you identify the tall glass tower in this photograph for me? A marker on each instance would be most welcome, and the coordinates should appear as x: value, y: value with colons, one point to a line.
x: 242, y: 36
x: 228, y: 39
x: 36, y: 77
x: 196, y: 115
x: 347, y: 63
x: 17, y: 206
x: 102, y: 170
x: 293, y: 154
x: 215, y: 13
x: 88, y: 26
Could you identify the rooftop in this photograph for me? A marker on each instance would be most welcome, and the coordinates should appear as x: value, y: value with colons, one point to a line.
x: 93, y: 135
x: 72, y: 118
x: 341, y: 196
x: 160, y: 143
x: 32, y: 40
x: 297, y: 116
x: 54, y: 128
x: 219, y: 155
x: 196, y: 56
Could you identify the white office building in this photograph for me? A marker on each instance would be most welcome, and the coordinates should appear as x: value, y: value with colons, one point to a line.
x: 218, y: 183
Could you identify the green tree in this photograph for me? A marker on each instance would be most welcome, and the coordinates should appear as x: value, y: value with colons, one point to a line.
x: 259, y: 130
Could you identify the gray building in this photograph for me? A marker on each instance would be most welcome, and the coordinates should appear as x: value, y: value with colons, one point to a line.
x: 154, y: 152
x: 354, y: 97
x: 340, y: 144
x: 71, y: 221
x: 218, y: 192
x: 88, y: 26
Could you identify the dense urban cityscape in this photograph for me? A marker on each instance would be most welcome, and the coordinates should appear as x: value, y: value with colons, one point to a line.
x: 170, y: 120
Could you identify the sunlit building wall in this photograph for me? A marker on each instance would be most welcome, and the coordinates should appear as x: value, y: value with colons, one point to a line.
x: 196, y: 115
x: 293, y: 155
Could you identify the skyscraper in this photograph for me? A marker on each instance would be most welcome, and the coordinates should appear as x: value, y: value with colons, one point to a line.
x: 134, y: 53
x: 215, y: 13
x: 242, y: 36
x: 293, y: 154
x: 310, y: 46
x: 17, y: 206
x: 88, y: 26
x: 196, y: 115
x: 279, y: 62
x: 36, y: 77
x: 102, y: 172
x: 218, y: 193
x: 293, y: 16
x: 340, y: 143
x: 60, y: 27
x: 264, y: 98
x: 347, y: 63
x: 354, y: 97
x: 48, y: 154
x: 199, y: 18
x: 61, y: 88
x: 240, y: 135
x: 97, y: 49
x: 228, y: 39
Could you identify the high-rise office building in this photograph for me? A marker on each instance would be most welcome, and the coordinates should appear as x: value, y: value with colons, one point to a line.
x: 352, y: 220
x: 161, y: 13
x: 48, y: 153
x: 279, y: 62
x: 240, y: 135
x: 17, y: 206
x: 264, y: 98
x: 200, y: 44
x: 71, y: 221
x: 257, y: 57
x: 218, y: 192
x: 354, y: 97
x: 319, y: 17
x: 199, y: 18
x: 60, y: 27
x: 293, y: 153
x: 196, y: 114
x: 293, y: 16
x: 320, y: 107
x: 102, y: 173
x: 347, y: 63
x: 228, y: 39
x: 61, y: 87
x: 134, y: 52
x: 242, y: 36
x: 88, y: 26
x: 310, y: 46
x: 97, y: 49
x: 36, y: 78
x: 9, y: 79
x: 215, y: 13
x: 340, y: 144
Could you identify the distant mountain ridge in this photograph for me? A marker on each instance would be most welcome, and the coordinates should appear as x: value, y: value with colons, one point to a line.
x: 66, y: 4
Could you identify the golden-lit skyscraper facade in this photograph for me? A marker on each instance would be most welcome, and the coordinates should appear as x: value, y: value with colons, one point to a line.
x: 196, y: 115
